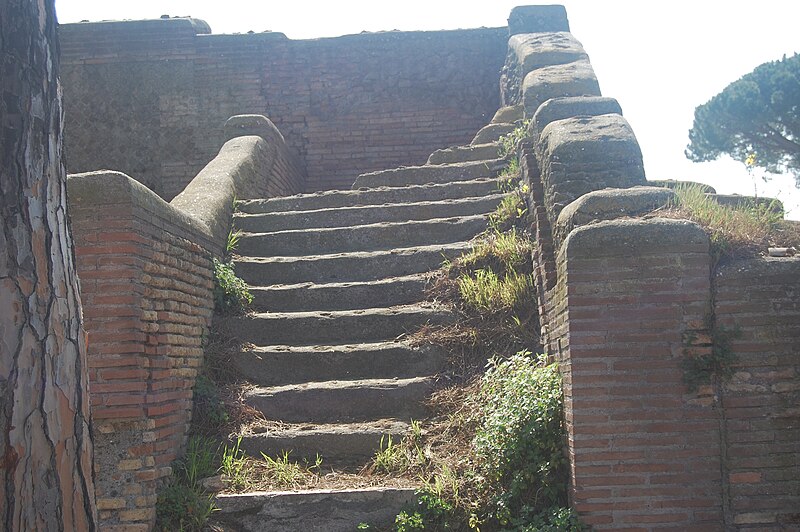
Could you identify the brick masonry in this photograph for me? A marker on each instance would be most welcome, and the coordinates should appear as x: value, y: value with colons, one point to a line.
x: 150, y: 98
x: 146, y: 284
x: 759, y: 301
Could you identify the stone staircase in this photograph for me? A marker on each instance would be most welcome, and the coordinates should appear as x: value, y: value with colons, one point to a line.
x: 338, y: 279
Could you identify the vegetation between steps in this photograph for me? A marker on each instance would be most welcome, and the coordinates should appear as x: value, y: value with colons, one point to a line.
x: 492, y: 458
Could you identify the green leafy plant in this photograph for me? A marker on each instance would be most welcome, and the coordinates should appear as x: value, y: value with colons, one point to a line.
x: 719, y: 363
x: 208, y: 413
x: 231, y: 293
x: 519, y: 442
x: 509, y: 141
x: 509, y: 213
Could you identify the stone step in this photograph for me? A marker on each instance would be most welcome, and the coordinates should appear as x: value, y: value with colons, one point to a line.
x: 346, y: 267
x: 339, y: 444
x: 332, y: 327
x: 370, y: 237
x: 492, y: 133
x: 461, y: 154
x: 352, y: 295
x: 343, y: 401
x: 418, y: 175
x: 332, y: 199
x: 311, y: 511
x: 276, y: 365
x: 366, y: 214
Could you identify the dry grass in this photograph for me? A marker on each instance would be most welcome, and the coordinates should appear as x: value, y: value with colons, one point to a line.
x: 735, y: 232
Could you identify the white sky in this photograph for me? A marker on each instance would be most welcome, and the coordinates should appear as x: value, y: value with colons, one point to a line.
x: 659, y: 59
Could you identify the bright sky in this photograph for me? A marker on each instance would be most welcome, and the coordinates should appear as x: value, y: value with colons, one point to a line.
x: 659, y: 59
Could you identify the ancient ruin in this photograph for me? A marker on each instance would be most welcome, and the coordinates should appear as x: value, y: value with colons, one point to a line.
x: 362, y: 161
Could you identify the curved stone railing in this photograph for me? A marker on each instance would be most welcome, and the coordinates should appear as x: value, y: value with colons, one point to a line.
x: 146, y: 275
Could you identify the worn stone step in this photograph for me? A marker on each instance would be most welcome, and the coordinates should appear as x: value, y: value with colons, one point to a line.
x: 366, y: 214
x: 492, y: 133
x: 276, y: 365
x: 340, y: 296
x: 370, y: 237
x: 461, y: 154
x: 338, y: 444
x: 332, y: 199
x: 417, y: 175
x: 343, y: 401
x: 342, y: 267
x: 332, y: 327
x: 311, y: 511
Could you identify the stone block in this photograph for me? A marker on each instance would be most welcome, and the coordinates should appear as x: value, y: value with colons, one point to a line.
x: 570, y: 107
x: 491, y: 133
x: 508, y: 114
x: 609, y: 204
x: 537, y: 50
x: 532, y: 19
x: 570, y: 79
x: 616, y: 238
x: 593, y: 139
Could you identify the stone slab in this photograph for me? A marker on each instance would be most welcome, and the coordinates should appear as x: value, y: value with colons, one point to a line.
x: 532, y: 19
x: 570, y: 107
x: 570, y: 79
x: 537, y: 50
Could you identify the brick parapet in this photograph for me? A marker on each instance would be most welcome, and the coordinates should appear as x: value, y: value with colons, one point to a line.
x: 644, y: 452
x: 146, y: 285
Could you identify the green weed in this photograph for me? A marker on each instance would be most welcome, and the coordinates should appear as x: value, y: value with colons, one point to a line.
x: 231, y: 293
x: 488, y: 292
x: 232, y: 242
x: 731, y: 229
x: 509, y: 141
x: 183, y: 504
x: 288, y: 474
x: 234, y: 465
x: 509, y: 213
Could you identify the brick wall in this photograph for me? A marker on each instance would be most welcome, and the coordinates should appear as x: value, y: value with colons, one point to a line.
x: 760, y: 298
x: 150, y: 98
x: 146, y: 281
x: 644, y: 453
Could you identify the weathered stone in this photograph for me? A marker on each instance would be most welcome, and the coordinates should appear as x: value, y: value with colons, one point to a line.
x: 259, y: 125
x: 614, y: 238
x: 593, y: 139
x: 570, y: 79
x: 312, y: 511
x: 339, y: 444
x: 537, y: 50
x: 608, y: 204
x: 673, y: 184
x: 508, y: 114
x: 420, y: 175
x: 492, y: 133
x: 532, y: 19
x: 569, y: 107
x: 462, y: 154
x: 735, y: 200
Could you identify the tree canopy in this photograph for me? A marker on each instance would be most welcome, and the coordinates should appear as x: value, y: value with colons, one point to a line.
x: 755, y: 120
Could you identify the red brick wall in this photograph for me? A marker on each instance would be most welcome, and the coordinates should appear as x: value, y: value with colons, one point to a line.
x: 644, y: 453
x: 760, y: 299
x: 146, y: 284
x: 151, y: 98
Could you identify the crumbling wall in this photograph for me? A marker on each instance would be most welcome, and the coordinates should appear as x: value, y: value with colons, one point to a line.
x: 150, y: 98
